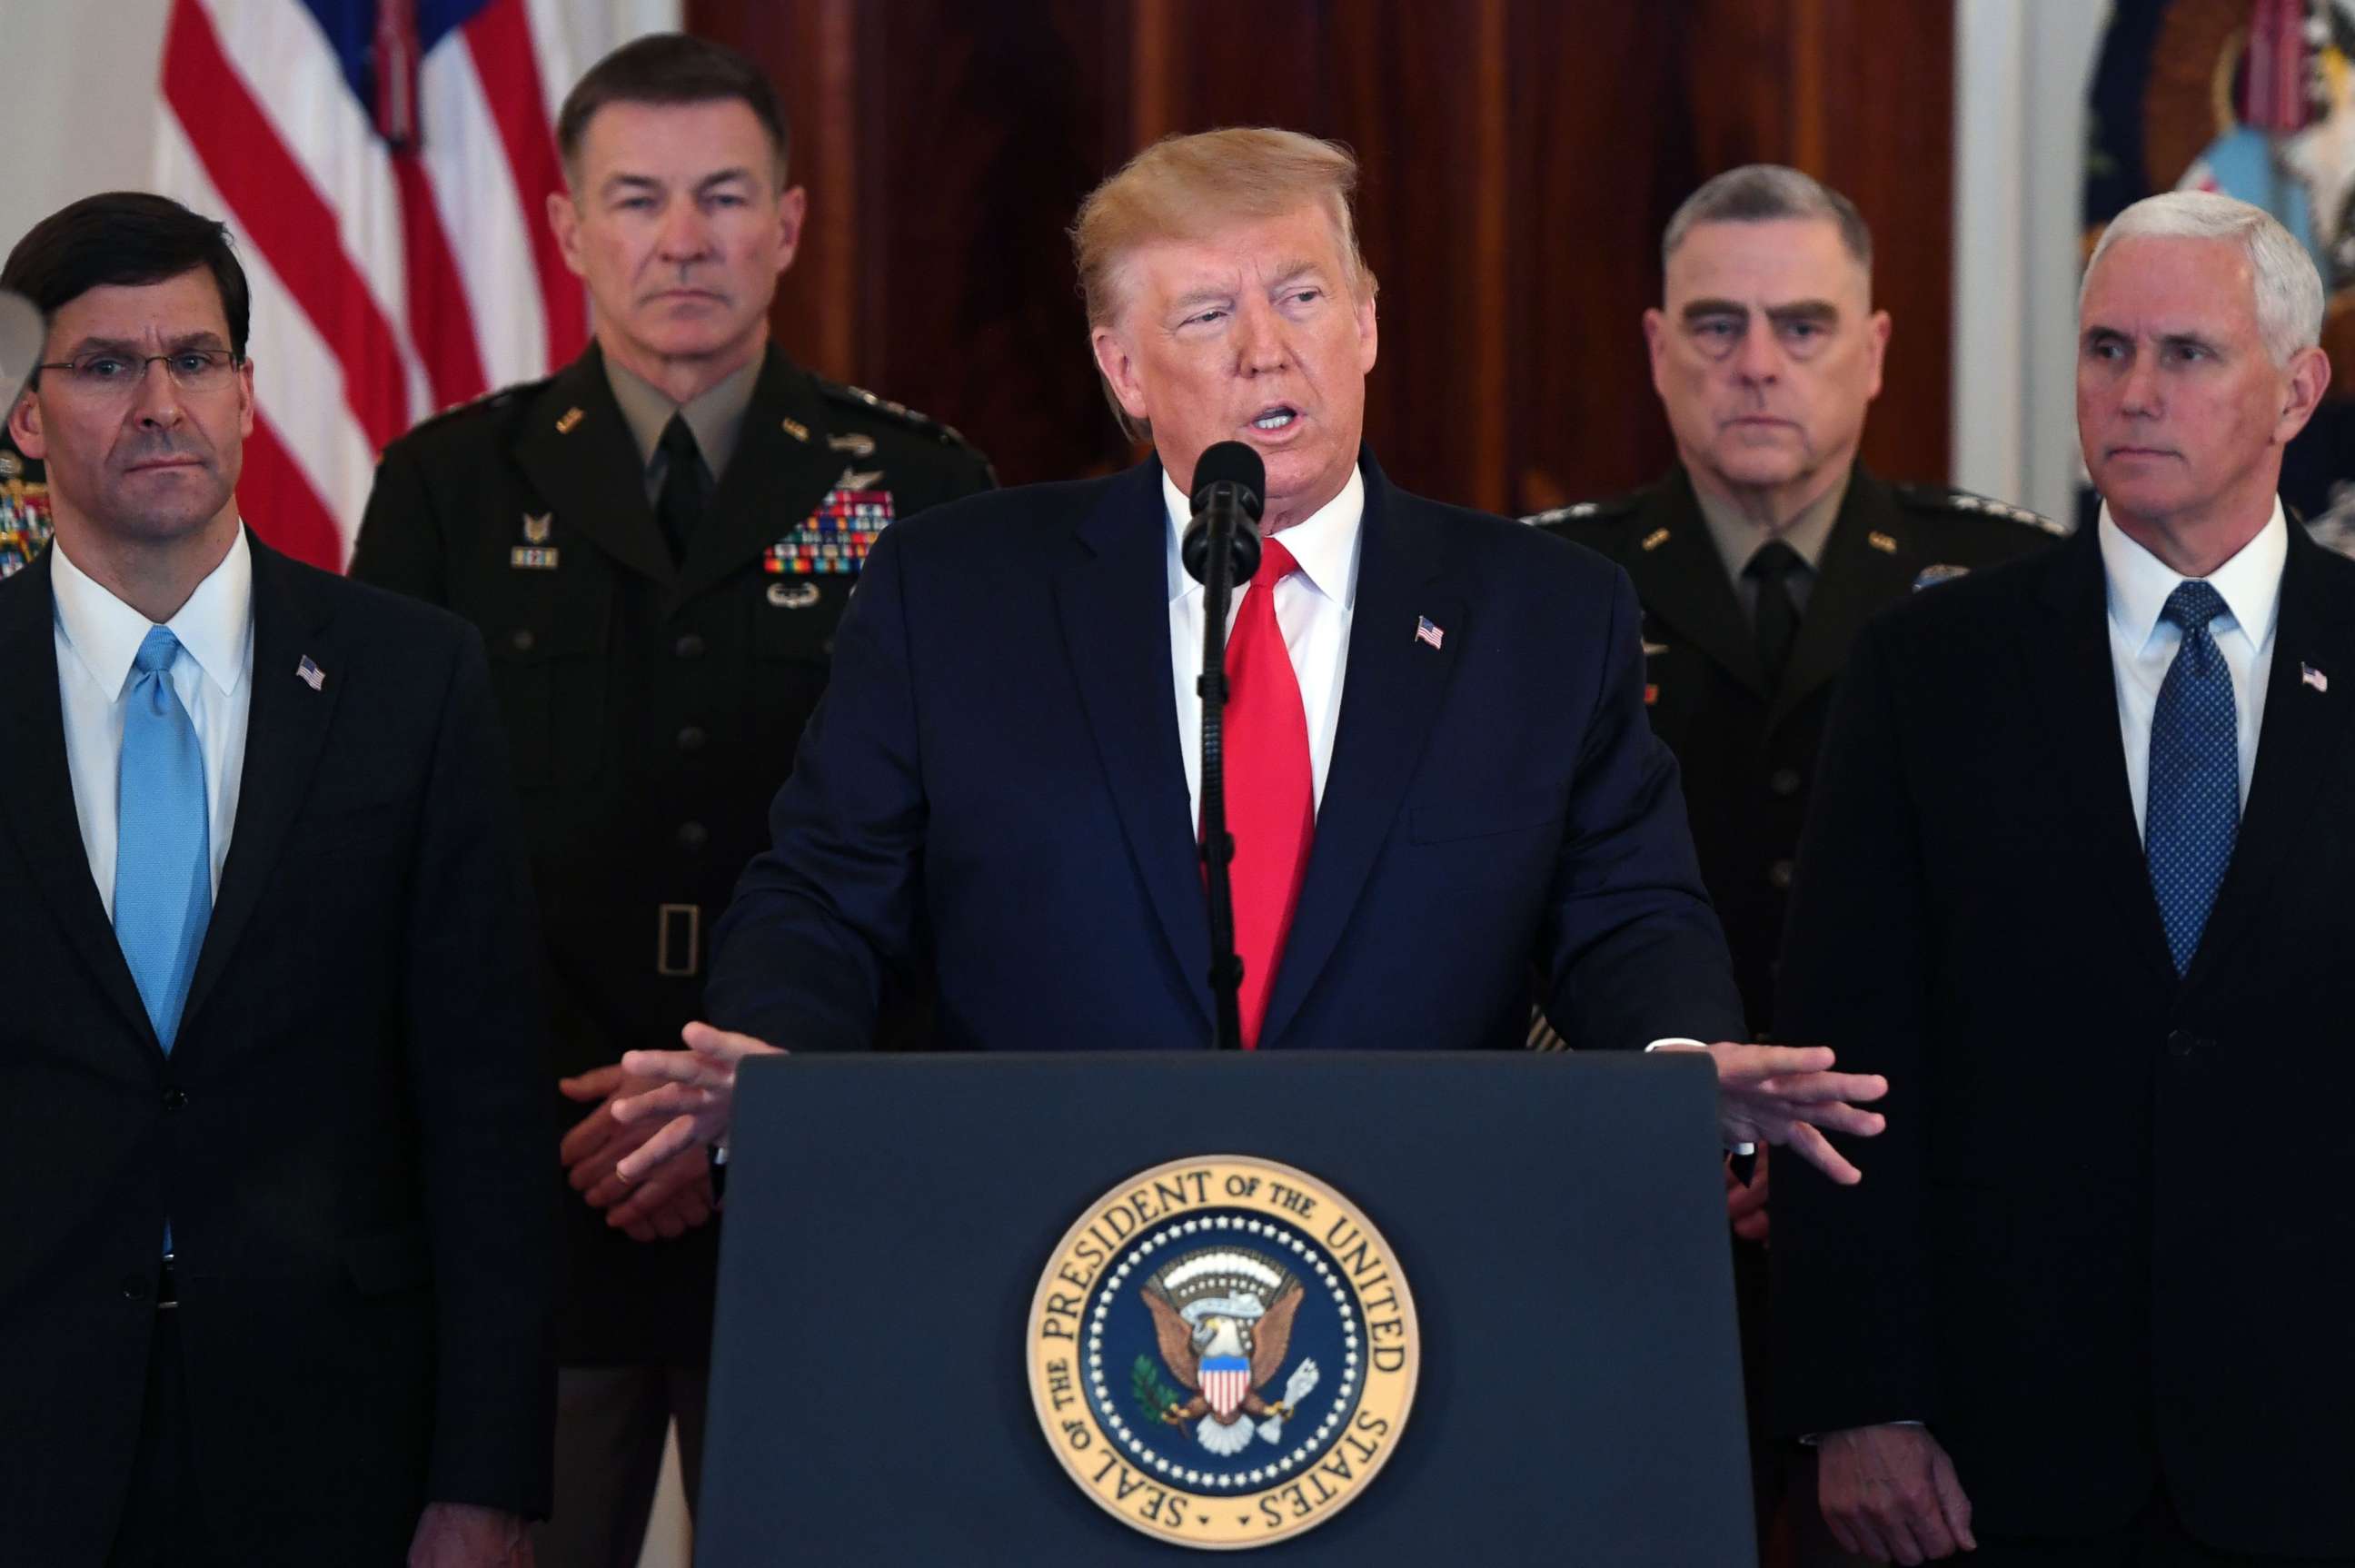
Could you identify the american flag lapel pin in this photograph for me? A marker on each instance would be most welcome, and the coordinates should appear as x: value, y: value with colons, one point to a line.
x: 310, y: 674
x: 1424, y: 631
x: 2313, y: 678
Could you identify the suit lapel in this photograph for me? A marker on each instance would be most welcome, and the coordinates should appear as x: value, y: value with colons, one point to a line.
x: 1856, y: 579
x: 578, y: 453
x: 2066, y: 662
x: 41, y: 812
x: 1389, y: 697
x: 286, y: 726
x: 1113, y: 606
x: 774, y: 479
x: 1681, y: 582
x: 2300, y: 741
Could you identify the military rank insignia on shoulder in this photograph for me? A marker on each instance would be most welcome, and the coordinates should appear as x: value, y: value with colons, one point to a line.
x: 497, y: 397
x: 900, y: 413
x: 1588, y: 511
x: 1222, y: 1352
x: 1944, y: 498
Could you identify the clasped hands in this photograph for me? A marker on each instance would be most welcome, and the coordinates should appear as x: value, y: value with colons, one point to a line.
x: 672, y: 1202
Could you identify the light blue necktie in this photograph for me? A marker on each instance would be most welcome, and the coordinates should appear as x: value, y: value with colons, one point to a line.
x: 163, y: 862
x: 2193, y: 811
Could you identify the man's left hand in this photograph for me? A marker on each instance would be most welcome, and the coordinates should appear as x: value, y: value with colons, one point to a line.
x: 463, y: 1535
x: 1787, y: 1094
x: 1745, y: 1206
x: 676, y: 1199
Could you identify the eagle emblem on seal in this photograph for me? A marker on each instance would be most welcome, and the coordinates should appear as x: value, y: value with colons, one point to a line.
x: 1222, y: 1320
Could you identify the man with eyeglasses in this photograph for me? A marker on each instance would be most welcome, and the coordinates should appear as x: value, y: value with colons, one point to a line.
x: 274, y: 1281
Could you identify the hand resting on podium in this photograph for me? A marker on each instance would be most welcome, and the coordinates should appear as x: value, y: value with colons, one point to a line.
x: 1765, y: 1095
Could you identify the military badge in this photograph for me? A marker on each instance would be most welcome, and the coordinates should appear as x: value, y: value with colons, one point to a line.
x: 538, y: 526
x: 1932, y: 576
x: 857, y: 443
x: 835, y: 539
x: 1222, y: 1352
x: 24, y: 522
x: 526, y: 558
x: 794, y: 595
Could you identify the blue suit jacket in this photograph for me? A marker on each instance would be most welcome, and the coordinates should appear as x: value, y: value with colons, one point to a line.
x: 992, y: 783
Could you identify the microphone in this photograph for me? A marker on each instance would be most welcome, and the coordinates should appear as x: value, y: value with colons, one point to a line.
x: 1229, y: 482
x: 1220, y: 549
x: 22, y: 332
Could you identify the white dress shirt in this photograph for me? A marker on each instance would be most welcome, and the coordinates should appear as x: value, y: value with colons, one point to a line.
x: 2143, y: 644
x: 1313, y: 609
x: 98, y: 636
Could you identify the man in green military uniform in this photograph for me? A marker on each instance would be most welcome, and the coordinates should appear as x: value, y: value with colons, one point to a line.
x: 656, y: 543
x: 1763, y: 552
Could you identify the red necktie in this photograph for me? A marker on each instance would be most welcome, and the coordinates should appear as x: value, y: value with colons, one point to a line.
x: 1271, y: 792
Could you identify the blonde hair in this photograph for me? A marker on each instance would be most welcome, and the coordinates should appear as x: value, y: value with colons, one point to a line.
x: 1183, y: 187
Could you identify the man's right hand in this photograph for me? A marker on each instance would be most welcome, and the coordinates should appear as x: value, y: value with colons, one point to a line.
x: 1890, y: 1493
x: 1745, y: 1205
x: 697, y: 1091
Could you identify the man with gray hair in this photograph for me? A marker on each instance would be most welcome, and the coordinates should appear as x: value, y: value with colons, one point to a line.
x: 1759, y: 557
x: 2085, y: 813
x: 1766, y: 547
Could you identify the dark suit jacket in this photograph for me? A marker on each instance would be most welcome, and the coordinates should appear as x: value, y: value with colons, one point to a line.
x: 1746, y: 746
x: 649, y: 711
x: 997, y: 764
x: 2106, y: 1237
x: 349, y: 1137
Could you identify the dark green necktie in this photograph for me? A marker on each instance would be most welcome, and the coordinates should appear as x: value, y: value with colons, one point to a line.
x: 1775, y: 622
x: 679, y: 508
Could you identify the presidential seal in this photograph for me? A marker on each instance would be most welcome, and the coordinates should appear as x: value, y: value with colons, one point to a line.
x: 1223, y: 1351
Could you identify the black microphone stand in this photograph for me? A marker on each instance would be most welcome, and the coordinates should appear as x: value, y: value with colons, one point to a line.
x: 1227, y: 529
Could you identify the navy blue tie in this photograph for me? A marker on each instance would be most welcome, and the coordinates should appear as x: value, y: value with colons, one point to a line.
x: 2193, y: 811
x: 163, y: 863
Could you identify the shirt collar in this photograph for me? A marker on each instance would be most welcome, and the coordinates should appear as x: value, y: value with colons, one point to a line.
x: 715, y: 415
x: 2250, y: 583
x: 1324, y: 543
x: 214, y: 627
x: 1738, y: 538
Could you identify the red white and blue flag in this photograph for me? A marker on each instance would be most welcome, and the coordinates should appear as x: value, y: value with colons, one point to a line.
x: 1225, y: 1381
x: 385, y: 167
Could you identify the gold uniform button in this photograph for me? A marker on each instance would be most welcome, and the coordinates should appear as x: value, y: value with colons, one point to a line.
x: 1784, y: 782
x: 1778, y: 876
x: 522, y: 639
x: 691, y: 739
x: 692, y: 835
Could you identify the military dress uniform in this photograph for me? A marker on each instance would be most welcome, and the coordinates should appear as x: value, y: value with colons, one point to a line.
x: 1747, y: 746
x: 1745, y: 742
x: 651, y: 705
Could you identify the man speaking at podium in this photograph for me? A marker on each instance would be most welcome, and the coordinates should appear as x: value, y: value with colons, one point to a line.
x: 1437, y: 747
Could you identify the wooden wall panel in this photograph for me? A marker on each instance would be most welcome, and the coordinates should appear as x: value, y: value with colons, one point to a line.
x: 1520, y: 157
x: 1891, y: 146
